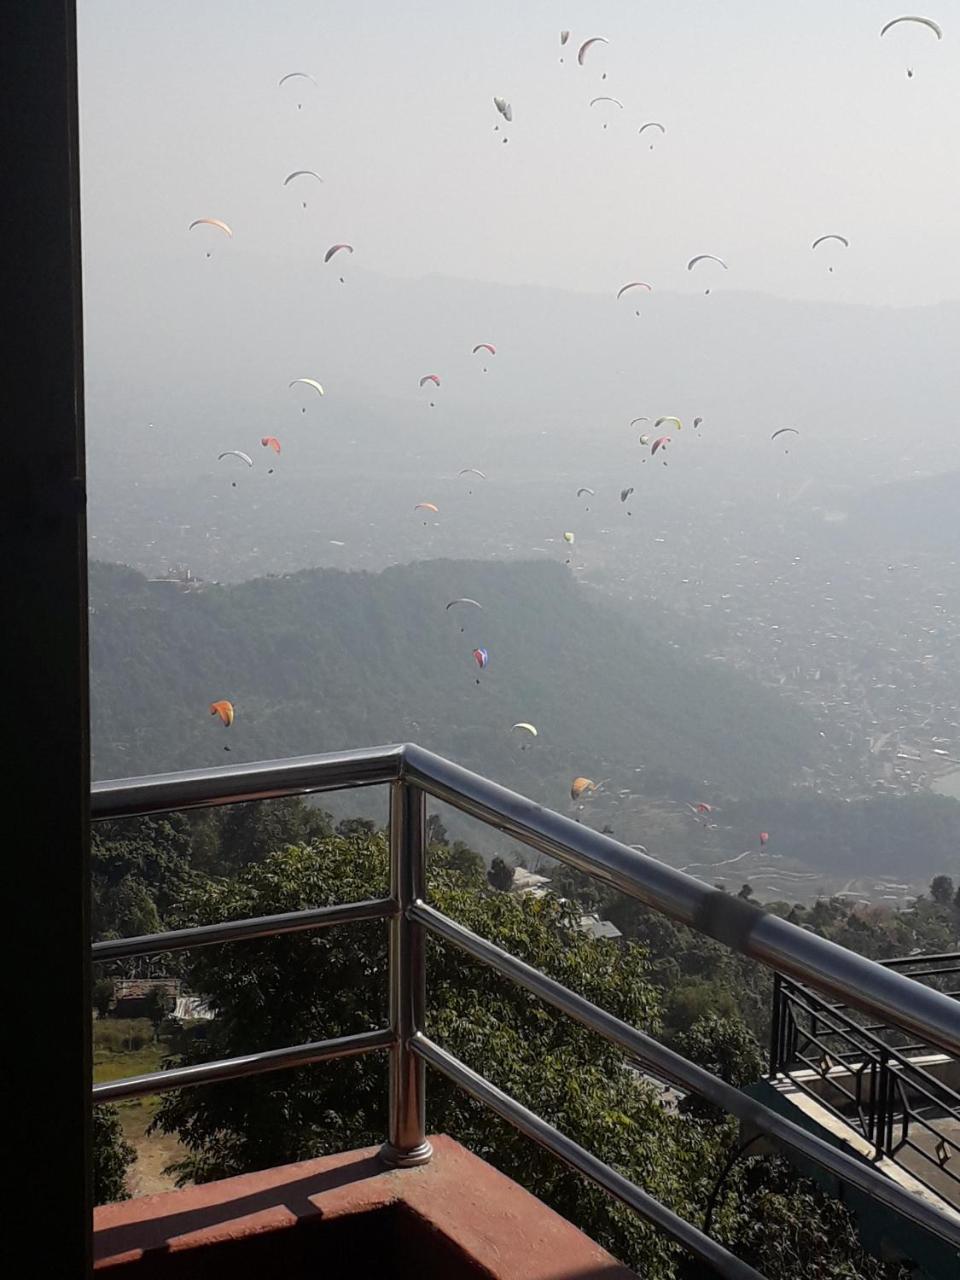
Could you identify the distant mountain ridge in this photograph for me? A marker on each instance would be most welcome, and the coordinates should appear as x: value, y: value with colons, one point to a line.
x: 322, y: 659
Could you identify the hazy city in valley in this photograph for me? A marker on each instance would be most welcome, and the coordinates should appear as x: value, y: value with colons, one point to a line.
x: 814, y: 570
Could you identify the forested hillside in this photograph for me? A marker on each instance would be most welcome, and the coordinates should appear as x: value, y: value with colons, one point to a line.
x: 322, y: 659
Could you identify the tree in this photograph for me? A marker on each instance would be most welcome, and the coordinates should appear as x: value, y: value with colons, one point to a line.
x: 500, y: 875
x: 725, y: 1046
x: 466, y: 862
x: 942, y: 891
x: 251, y: 832
x: 332, y: 982
x: 356, y: 827
x: 784, y: 1225
x: 157, y: 1004
x: 435, y: 832
x: 102, y: 996
x: 112, y: 1156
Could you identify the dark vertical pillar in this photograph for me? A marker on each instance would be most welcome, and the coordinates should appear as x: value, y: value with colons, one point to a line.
x: 45, y: 742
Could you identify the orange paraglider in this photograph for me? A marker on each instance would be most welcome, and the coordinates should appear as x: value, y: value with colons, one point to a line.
x: 223, y: 709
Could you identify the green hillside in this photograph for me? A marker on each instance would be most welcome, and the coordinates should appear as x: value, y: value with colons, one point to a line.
x: 322, y: 660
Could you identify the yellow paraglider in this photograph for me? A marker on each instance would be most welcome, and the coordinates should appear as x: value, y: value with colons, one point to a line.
x: 223, y: 709
x: 308, y: 382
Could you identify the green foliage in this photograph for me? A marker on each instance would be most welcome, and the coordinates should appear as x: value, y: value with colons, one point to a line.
x: 725, y: 1046
x: 459, y: 857
x: 500, y: 876
x: 786, y: 1227
x: 157, y: 1004
x: 142, y: 867
x: 333, y: 982
x: 112, y: 1156
x: 942, y: 891
x: 102, y: 996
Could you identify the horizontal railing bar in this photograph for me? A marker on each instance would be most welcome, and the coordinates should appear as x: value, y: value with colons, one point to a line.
x: 236, y: 784
x: 729, y: 919
x: 922, y: 959
x: 236, y: 930
x: 679, y: 1071
x: 571, y: 1153
x: 251, y: 1064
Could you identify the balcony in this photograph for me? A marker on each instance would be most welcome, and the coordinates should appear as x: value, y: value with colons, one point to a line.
x: 417, y: 1197
x: 886, y: 1093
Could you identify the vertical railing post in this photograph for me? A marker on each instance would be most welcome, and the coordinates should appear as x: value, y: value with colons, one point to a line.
x: 407, y: 1143
x: 776, y: 1027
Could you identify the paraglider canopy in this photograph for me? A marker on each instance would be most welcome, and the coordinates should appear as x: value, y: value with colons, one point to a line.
x: 336, y: 248
x: 472, y: 471
x: 569, y: 537
x: 485, y: 346
x: 587, y: 45
x: 583, y: 489
x: 783, y: 431
x: 308, y: 382
x: 301, y: 173
x: 659, y: 443
x: 223, y: 709
x: 634, y: 284
x: 211, y: 222
x: 503, y: 106
x: 705, y: 257
x: 924, y: 22
x: 236, y: 453
x: 429, y: 377
x: 427, y: 506
x: 465, y: 600
x: 296, y: 75
x: 660, y: 421
x: 526, y: 727
x: 820, y: 240
x: 481, y: 657
x: 270, y: 442
x: 581, y: 785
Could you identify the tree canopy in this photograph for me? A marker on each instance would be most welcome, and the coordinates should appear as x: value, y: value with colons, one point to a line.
x: 271, y: 992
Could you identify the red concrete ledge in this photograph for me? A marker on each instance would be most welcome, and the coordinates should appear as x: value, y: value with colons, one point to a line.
x: 349, y: 1215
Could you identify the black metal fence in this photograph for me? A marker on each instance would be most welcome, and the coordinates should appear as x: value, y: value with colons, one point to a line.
x: 891, y: 1096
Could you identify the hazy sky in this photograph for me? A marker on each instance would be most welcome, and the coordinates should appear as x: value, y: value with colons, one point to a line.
x: 784, y: 122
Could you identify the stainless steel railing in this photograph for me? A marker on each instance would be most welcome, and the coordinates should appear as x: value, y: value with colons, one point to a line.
x: 413, y: 774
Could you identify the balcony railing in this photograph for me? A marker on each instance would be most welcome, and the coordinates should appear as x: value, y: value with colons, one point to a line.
x: 889, y: 1095
x: 414, y: 774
